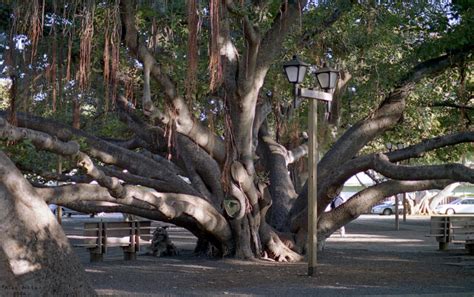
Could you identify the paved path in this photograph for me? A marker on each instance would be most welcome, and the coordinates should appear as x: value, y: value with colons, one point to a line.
x: 378, y: 233
x: 372, y: 260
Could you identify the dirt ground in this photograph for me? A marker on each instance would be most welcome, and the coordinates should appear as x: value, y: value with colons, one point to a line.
x: 373, y: 259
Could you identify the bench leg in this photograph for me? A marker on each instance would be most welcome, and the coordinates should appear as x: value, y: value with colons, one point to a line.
x: 129, y: 255
x: 443, y: 246
x: 470, y: 249
x: 96, y: 257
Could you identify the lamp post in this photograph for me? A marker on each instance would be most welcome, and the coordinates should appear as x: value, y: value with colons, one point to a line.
x: 391, y: 147
x: 59, y: 209
x: 404, y: 203
x: 327, y: 78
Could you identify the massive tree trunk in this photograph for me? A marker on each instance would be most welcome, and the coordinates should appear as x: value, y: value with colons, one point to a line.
x: 243, y: 79
x: 35, y: 255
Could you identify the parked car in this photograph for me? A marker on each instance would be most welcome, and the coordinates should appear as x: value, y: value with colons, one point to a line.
x: 70, y: 212
x: 67, y: 211
x: 461, y: 205
x: 387, y: 208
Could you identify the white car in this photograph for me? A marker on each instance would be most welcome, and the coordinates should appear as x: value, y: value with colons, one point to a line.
x: 387, y: 208
x: 461, y: 205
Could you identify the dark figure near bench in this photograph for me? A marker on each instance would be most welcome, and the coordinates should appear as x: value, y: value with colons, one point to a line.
x: 161, y: 244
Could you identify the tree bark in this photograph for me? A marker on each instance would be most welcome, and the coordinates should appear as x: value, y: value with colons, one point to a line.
x: 35, y: 255
x: 281, y: 187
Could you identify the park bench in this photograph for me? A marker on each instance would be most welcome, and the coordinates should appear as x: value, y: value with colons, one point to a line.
x: 99, y: 236
x: 458, y: 229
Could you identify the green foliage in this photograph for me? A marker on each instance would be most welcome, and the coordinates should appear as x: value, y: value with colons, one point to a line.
x: 5, y: 11
x: 25, y: 155
x: 4, y: 95
x: 376, y: 43
x: 108, y: 125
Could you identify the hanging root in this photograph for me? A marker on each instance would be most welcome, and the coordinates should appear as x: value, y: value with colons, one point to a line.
x: 87, y: 32
x: 193, y: 25
x: 215, y: 63
x: 146, y: 100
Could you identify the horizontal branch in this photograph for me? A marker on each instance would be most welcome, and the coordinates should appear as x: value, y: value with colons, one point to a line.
x: 455, y: 172
x: 178, y: 209
x: 39, y: 139
x: 157, y: 184
x: 330, y: 185
x: 362, y: 201
x: 71, y: 149
x: 111, y: 154
x: 388, y: 113
x: 451, y: 104
x: 363, y: 163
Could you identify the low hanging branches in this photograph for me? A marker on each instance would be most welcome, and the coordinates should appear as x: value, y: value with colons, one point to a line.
x: 173, y: 207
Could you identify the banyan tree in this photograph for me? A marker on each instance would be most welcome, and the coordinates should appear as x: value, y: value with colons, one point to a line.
x: 178, y: 111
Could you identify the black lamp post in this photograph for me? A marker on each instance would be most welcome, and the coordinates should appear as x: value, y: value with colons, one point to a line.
x: 392, y: 147
x: 295, y: 71
x: 402, y: 146
x: 327, y: 77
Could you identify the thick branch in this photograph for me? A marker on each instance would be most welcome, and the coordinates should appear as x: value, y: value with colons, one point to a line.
x: 112, y: 154
x: 365, y: 199
x: 71, y: 149
x: 39, y: 139
x: 176, y: 208
x: 202, y: 169
x: 330, y: 185
x: 363, y: 163
x: 281, y: 188
x: 272, y: 42
x: 111, y: 183
x: 159, y: 185
x: 451, y: 104
x: 185, y: 123
x: 263, y: 109
x: 455, y: 172
x: 388, y: 113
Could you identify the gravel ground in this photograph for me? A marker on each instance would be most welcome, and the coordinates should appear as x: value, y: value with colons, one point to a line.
x: 373, y: 259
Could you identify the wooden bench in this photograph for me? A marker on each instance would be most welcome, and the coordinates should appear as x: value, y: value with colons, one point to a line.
x: 453, y: 229
x: 99, y: 236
